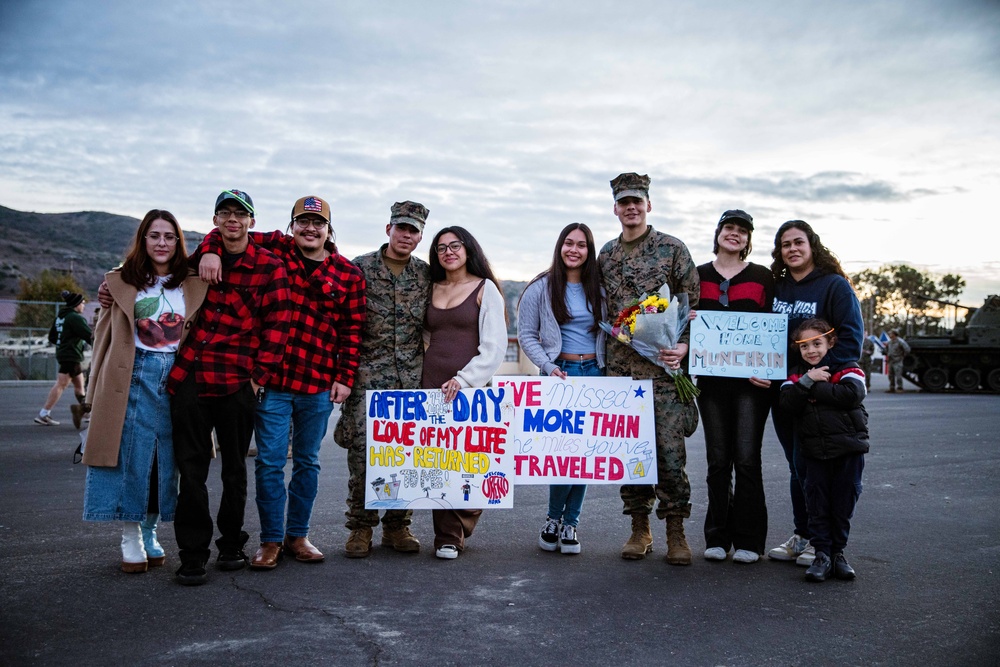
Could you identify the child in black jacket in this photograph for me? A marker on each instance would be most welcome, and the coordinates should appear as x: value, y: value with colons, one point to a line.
x: 831, y: 427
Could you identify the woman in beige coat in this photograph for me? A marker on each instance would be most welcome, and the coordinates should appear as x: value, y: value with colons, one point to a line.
x: 131, y: 475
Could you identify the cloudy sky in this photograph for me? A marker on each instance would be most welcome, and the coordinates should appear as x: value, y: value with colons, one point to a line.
x: 878, y: 122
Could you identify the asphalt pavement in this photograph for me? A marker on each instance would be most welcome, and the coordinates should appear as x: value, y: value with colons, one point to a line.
x: 925, y: 542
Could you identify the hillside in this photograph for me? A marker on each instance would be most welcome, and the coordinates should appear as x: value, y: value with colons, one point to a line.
x: 87, y: 243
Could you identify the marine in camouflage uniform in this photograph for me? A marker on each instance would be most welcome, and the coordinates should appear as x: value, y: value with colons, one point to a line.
x: 638, y: 262
x: 392, y: 353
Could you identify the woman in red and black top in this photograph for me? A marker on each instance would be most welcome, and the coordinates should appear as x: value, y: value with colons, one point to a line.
x: 734, y: 410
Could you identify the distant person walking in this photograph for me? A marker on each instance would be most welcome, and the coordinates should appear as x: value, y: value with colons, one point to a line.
x: 130, y: 453
x: 867, y: 351
x: 68, y: 333
x: 895, y: 350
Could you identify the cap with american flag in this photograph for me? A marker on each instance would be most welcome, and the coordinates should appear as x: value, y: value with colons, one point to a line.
x: 311, y: 204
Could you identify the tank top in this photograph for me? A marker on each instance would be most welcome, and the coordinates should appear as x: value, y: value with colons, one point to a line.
x: 454, y: 336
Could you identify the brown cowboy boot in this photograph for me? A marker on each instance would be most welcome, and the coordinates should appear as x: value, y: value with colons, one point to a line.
x: 678, y: 552
x: 641, y: 541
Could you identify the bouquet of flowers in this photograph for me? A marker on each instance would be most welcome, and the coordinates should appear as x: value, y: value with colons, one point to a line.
x: 651, y: 323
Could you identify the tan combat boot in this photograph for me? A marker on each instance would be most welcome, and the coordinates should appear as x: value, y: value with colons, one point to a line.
x: 400, y: 539
x: 359, y: 544
x: 678, y: 552
x: 641, y: 541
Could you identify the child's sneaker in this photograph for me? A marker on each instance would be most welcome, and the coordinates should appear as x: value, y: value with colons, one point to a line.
x: 568, y: 542
x: 807, y: 556
x: 790, y: 550
x: 548, y: 539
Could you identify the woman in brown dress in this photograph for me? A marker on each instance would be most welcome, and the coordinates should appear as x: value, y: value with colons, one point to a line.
x: 466, y: 334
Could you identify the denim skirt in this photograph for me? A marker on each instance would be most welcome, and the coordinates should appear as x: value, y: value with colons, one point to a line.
x: 122, y: 493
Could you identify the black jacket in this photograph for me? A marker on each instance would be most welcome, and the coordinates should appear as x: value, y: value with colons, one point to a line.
x: 829, y: 417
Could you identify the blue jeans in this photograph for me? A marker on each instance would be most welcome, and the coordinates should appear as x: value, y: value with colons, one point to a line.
x: 566, y: 500
x: 128, y: 491
x: 308, y: 414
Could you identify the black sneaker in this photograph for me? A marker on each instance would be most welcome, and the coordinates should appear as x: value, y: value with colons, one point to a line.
x: 841, y: 568
x: 820, y: 569
x: 548, y: 539
x: 191, y: 574
x: 568, y: 541
x: 231, y: 560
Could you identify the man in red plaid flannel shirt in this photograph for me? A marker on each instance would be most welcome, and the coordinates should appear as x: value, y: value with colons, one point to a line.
x: 321, y: 360
x: 232, y: 354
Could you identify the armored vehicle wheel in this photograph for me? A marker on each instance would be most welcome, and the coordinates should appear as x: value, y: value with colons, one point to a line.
x: 967, y: 379
x: 993, y: 379
x: 934, y: 379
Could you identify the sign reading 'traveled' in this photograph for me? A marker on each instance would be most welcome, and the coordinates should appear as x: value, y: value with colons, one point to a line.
x: 581, y: 430
x: 734, y: 344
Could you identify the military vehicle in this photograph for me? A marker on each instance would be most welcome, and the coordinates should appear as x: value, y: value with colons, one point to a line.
x: 966, y: 361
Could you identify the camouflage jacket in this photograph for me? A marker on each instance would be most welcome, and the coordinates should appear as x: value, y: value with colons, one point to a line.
x: 392, y: 346
x: 658, y: 259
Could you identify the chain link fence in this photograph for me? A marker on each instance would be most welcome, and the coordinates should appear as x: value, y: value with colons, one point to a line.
x: 25, y: 351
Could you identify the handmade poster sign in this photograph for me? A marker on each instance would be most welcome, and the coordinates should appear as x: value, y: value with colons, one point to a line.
x: 734, y: 344
x: 426, y: 454
x: 581, y: 430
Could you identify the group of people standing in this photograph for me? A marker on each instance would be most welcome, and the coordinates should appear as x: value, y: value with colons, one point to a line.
x: 557, y: 330
x: 263, y: 332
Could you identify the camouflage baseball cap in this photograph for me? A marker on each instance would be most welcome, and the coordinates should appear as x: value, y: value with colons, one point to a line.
x: 409, y: 213
x: 630, y: 185
x: 311, y: 204
x: 238, y: 196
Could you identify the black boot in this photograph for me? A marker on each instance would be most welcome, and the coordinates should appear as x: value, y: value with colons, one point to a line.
x: 820, y: 569
x: 841, y: 568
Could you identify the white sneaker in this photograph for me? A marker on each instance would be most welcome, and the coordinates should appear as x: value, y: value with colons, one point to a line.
x: 716, y: 553
x: 744, y: 556
x: 447, y: 552
x: 568, y: 542
x: 548, y: 538
x: 46, y: 421
x: 807, y: 556
x: 790, y: 550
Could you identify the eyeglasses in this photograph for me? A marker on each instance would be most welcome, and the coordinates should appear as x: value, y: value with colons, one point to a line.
x: 454, y: 246
x: 724, y: 292
x: 241, y: 214
x: 169, y: 239
x: 306, y: 223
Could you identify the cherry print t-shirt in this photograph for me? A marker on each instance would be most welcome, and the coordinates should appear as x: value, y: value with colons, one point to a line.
x: 159, y: 317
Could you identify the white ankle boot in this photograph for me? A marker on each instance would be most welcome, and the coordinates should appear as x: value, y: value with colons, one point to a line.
x: 133, y: 552
x: 155, y: 556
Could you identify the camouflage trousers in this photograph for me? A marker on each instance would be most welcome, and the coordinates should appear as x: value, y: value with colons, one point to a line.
x: 352, y: 434
x: 673, y: 420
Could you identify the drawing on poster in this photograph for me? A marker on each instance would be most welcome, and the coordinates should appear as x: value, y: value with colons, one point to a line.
x: 424, y: 453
